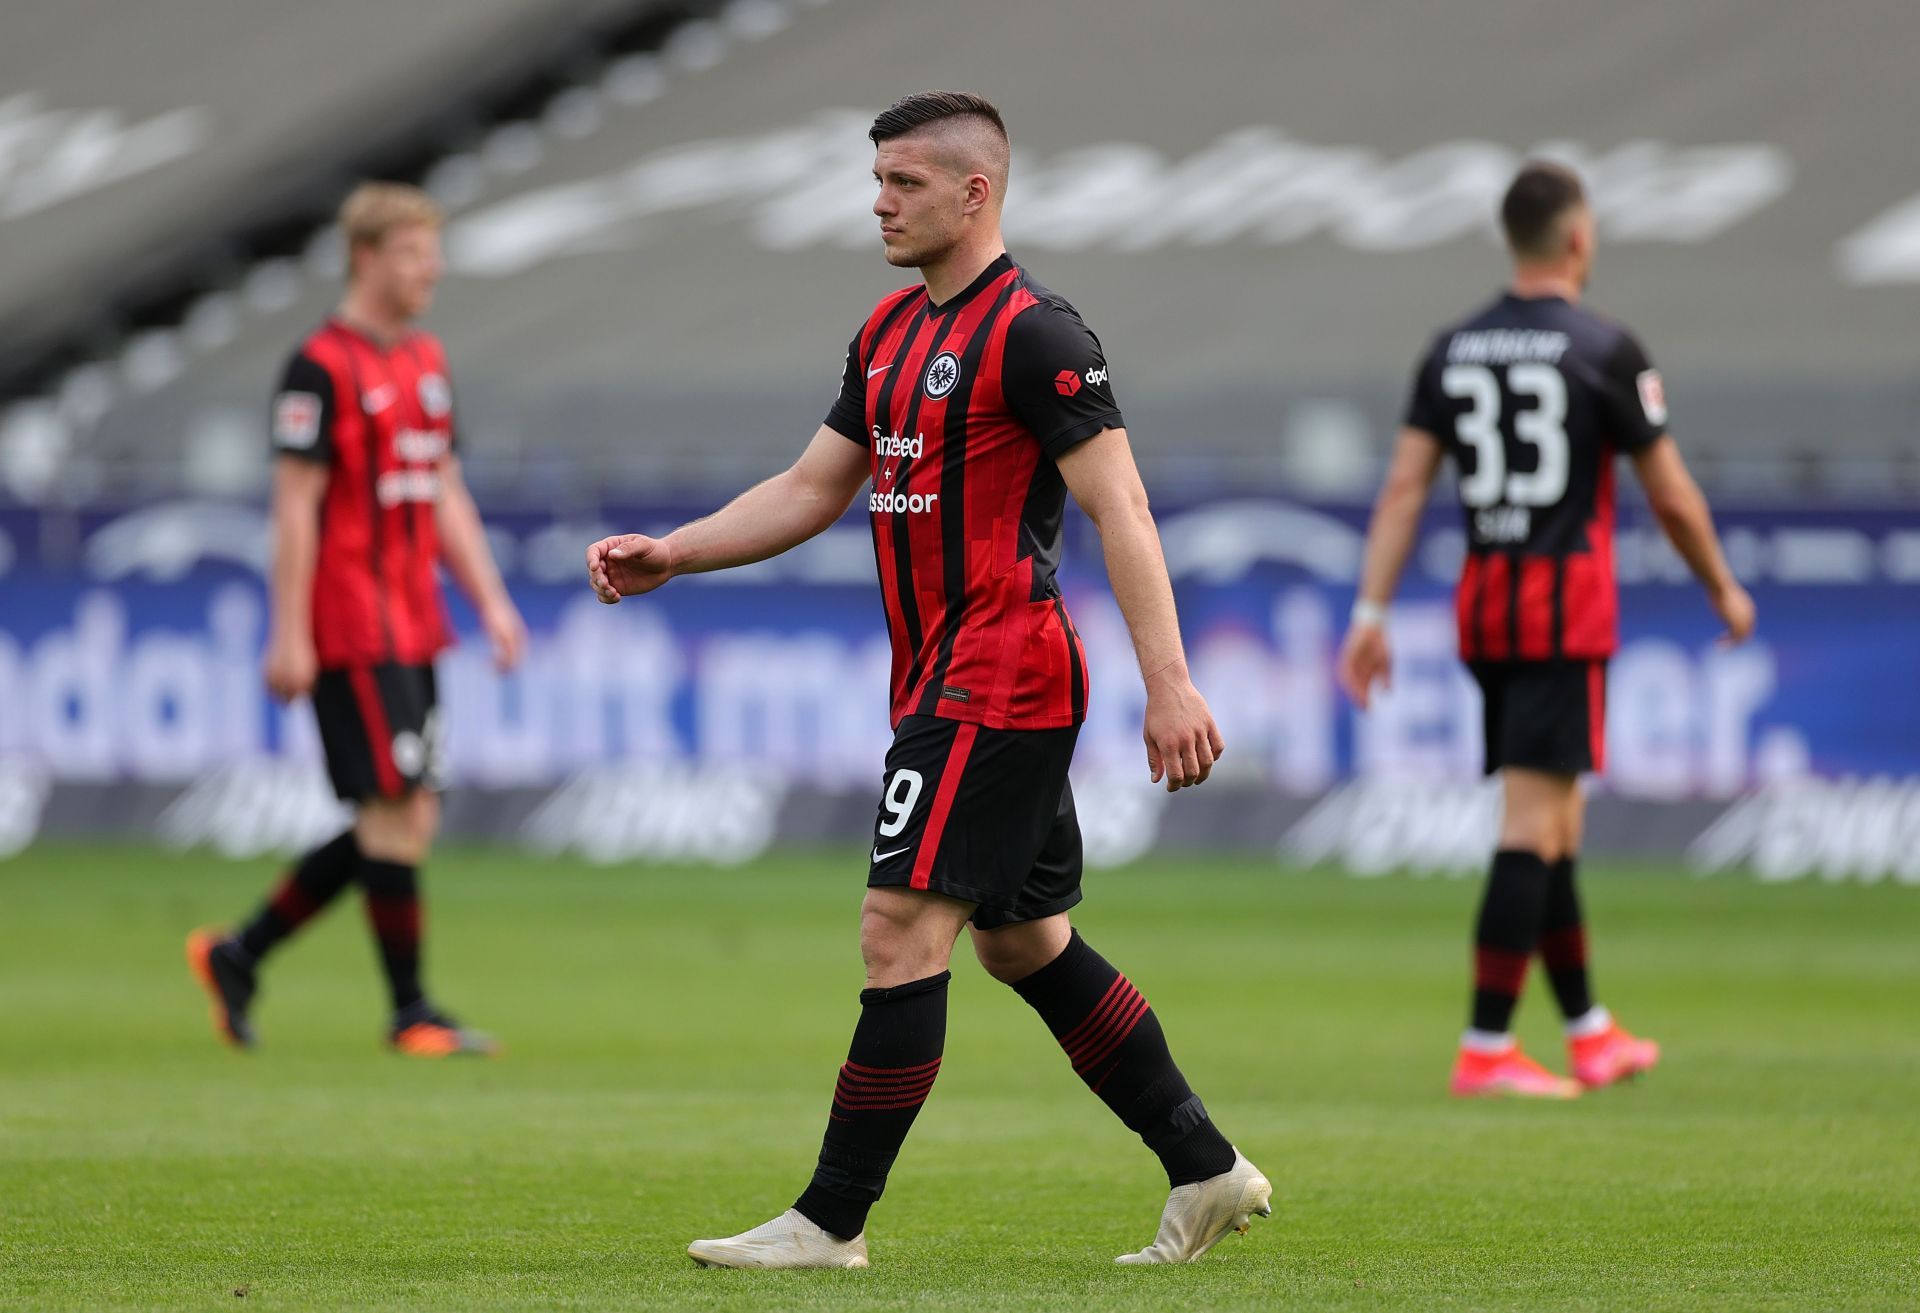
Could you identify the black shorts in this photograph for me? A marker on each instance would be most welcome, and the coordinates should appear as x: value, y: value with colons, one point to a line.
x: 982, y: 815
x: 1544, y: 715
x: 380, y: 726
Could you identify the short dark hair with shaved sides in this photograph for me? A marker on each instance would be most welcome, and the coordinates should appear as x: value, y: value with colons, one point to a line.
x: 1539, y: 196
x: 918, y: 110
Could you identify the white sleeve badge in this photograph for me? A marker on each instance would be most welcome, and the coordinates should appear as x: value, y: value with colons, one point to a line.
x: 1653, y: 396
x: 296, y: 421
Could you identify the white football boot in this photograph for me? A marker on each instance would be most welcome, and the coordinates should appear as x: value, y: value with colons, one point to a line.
x: 789, y: 1240
x: 1198, y: 1215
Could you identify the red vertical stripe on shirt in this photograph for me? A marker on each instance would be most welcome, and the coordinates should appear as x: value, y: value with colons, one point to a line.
x: 1492, y: 620
x: 1536, y: 608
x: 1591, y: 605
x: 896, y: 579
x: 999, y: 475
x: 1466, y: 601
x: 946, y: 531
x: 1588, y: 608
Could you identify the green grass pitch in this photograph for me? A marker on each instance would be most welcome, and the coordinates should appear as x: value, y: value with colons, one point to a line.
x: 672, y: 1038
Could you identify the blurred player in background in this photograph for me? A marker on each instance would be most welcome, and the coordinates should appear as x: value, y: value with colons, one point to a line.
x: 1531, y: 397
x: 975, y: 402
x: 367, y: 499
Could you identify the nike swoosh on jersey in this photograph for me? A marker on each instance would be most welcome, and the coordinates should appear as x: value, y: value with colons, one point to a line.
x: 878, y: 368
x: 879, y: 857
x: 378, y: 399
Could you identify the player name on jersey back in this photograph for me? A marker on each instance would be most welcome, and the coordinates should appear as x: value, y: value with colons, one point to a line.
x: 1504, y: 346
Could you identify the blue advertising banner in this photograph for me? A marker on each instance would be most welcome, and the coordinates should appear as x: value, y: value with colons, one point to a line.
x: 129, y: 649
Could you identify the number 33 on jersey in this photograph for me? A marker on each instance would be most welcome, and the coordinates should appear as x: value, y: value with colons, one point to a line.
x: 1532, y: 398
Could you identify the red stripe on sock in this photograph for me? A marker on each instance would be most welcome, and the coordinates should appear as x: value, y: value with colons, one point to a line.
x: 1564, y: 948
x: 852, y: 1090
x: 1072, y: 1039
x: 877, y: 1103
x: 890, y: 1092
x: 1123, y: 1003
x: 905, y: 1087
x: 855, y: 1085
x: 1500, y: 970
x: 890, y: 1071
x: 293, y: 904
x: 1105, y: 1050
x: 394, y: 918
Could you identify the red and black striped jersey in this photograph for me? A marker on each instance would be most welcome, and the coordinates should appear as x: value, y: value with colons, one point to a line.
x: 964, y: 407
x: 1532, y: 398
x: 381, y: 419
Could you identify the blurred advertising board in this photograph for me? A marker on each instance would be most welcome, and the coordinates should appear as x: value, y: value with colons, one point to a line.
x: 733, y: 711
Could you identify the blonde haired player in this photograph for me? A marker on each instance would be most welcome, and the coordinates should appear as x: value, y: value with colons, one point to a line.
x: 367, y: 499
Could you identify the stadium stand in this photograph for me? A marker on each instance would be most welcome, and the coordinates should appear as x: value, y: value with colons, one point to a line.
x: 655, y: 271
x: 142, y: 139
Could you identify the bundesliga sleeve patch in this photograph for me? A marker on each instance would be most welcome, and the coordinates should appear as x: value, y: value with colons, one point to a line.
x: 296, y: 420
x: 1653, y: 396
x: 436, y: 396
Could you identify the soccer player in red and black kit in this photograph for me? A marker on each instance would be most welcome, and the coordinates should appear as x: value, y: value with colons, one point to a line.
x: 1532, y: 397
x: 975, y: 402
x: 367, y: 498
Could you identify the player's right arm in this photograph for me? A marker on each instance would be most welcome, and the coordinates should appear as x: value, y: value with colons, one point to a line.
x: 1681, y: 508
x: 765, y: 520
x: 303, y: 414
x: 1365, y: 658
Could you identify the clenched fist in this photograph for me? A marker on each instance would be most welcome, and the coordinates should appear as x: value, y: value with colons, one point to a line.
x: 628, y: 565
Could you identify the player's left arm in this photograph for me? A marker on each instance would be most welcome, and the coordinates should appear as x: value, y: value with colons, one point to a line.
x: 1055, y: 379
x: 1182, y: 740
x: 469, y: 558
x: 1635, y: 398
x: 1681, y: 508
x: 1365, y: 658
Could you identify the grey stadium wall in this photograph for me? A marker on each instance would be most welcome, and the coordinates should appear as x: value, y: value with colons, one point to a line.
x: 1263, y: 209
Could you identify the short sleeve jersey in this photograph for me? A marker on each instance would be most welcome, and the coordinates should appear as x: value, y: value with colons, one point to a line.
x: 380, y: 418
x: 964, y: 408
x: 1532, y: 398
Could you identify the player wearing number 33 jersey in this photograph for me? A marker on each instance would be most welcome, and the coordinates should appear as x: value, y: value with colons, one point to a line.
x: 1531, y: 398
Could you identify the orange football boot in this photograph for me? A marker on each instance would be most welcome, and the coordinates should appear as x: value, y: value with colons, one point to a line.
x: 423, y: 1031
x: 1610, y: 1056
x: 1508, y: 1073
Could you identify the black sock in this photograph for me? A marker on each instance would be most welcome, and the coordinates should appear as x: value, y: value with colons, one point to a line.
x: 393, y: 910
x: 888, y: 1074
x: 1117, y: 1047
x: 310, y: 886
x: 1511, y: 913
x: 1563, y: 943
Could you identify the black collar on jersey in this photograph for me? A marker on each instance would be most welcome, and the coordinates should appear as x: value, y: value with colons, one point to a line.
x: 974, y: 288
x: 1517, y: 299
